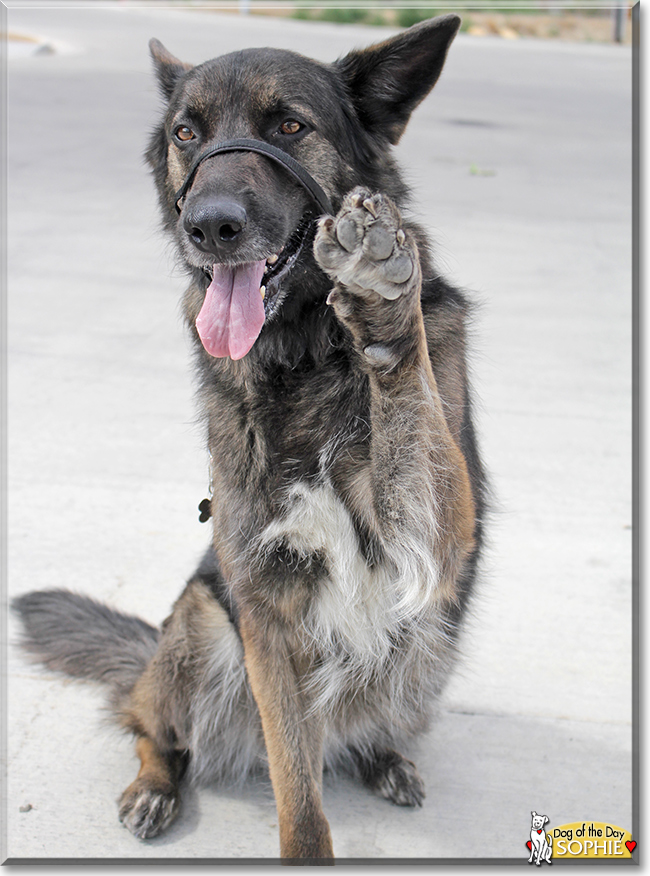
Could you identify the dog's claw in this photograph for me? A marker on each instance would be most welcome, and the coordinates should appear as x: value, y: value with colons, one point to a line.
x: 371, y: 208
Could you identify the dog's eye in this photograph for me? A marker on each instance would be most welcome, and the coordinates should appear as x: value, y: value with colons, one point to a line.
x: 291, y: 126
x: 184, y: 133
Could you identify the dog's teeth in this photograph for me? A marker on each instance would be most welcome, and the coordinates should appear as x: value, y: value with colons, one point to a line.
x: 263, y: 290
x: 272, y: 259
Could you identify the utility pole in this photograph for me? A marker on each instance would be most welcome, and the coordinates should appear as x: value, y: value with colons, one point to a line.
x: 619, y: 22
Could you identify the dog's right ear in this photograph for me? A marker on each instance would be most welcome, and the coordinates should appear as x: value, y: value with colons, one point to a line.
x: 168, y: 68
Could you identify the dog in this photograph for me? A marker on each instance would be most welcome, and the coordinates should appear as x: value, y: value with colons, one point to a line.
x: 540, y: 841
x: 347, y: 492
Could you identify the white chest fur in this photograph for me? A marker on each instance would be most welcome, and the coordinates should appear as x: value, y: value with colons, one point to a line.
x: 357, y: 607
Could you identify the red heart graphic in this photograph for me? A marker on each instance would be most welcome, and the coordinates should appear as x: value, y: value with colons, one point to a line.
x: 530, y: 845
x: 539, y: 831
x: 630, y: 845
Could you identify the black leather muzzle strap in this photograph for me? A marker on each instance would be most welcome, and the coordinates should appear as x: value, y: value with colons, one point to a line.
x: 244, y: 145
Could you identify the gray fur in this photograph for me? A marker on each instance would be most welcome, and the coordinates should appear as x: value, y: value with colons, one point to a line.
x: 80, y: 637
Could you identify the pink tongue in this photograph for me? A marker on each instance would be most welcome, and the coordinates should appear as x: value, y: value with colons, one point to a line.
x: 232, y: 315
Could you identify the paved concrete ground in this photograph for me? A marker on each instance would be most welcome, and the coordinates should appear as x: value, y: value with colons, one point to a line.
x: 521, y: 160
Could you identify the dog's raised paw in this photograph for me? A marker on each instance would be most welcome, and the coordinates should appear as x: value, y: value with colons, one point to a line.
x: 365, y: 248
x: 147, y: 810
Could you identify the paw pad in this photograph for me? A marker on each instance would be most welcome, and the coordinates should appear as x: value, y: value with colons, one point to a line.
x: 365, y: 247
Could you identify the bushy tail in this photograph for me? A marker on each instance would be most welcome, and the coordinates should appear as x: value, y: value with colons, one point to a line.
x: 83, y: 638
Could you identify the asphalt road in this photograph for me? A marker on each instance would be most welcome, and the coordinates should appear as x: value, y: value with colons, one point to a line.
x: 520, y: 161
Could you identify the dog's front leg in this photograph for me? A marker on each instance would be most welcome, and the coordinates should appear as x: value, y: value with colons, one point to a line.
x: 532, y: 850
x: 293, y: 737
x: 421, y: 496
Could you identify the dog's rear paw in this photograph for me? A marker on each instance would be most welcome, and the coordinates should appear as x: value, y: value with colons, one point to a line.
x: 401, y: 784
x: 365, y: 247
x: 147, y: 809
x: 394, y: 777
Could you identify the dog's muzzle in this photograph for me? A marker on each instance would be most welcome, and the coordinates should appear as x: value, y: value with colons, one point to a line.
x: 260, y: 146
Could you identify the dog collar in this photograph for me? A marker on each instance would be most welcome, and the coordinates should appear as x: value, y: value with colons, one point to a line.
x: 245, y: 145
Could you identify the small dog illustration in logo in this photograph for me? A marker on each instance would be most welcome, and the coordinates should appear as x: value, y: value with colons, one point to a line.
x: 540, y: 842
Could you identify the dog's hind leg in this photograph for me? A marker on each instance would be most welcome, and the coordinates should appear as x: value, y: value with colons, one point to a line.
x: 390, y: 775
x: 151, y: 802
x: 191, y: 707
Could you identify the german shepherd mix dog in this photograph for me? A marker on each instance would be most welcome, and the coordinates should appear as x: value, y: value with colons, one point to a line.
x: 347, y: 492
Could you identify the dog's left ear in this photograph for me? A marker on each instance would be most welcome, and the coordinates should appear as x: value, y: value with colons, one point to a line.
x: 388, y: 80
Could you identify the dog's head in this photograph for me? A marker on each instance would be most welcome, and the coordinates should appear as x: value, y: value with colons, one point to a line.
x: 538, y: 821
x: 244, y: 225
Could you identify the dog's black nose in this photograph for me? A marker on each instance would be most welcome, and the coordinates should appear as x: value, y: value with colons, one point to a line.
x: 215, y: 226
